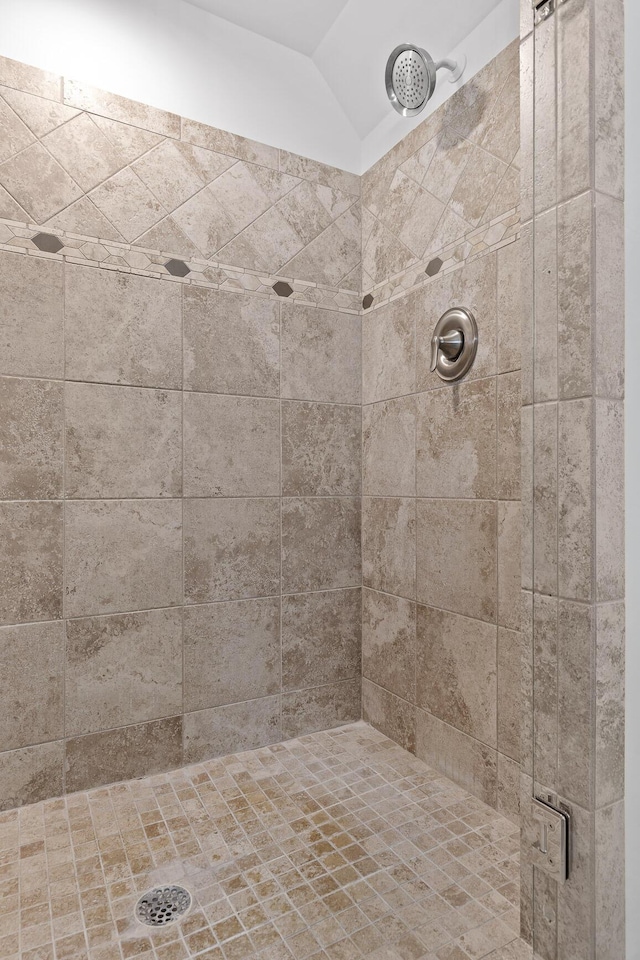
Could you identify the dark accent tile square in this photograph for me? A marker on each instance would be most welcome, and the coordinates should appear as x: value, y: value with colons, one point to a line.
x: 283, y: 289
x: 177, y: 268
x: 47, y: 242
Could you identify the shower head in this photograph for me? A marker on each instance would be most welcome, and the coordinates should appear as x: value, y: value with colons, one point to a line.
x: 411, y: 77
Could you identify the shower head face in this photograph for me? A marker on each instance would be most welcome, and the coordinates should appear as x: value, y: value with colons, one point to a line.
x: 410, y: 78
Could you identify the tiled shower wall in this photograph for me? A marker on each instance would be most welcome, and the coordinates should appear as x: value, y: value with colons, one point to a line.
x: 181, y: 472
x: 441, y: 462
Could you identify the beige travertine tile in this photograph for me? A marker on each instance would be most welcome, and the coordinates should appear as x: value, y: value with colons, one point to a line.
x: 11, y: 210
x: 456, y: 441
x: 476, y: 186
x: 576, y: 626
x: 509, y: 788
x: 173, y: 174
x: 575, y: 239
x: 609, y: 296
x: 321, y: 449
x: 38, y: 182
x: 135, y: 751
x: 526, y: 529
x: 320, y: 708
x: 527, y: 329
x: 609, y: 703
x: 510, y: 305
x: 333, y: 257
x: 473, y: 286
x: 231, y: 343
x: 542, y: 48
x: 388, y: 448
x: 457, y: 556
x: 266, y: 244
x: 456, y: 675
x: 394, y: 717
x: 207, y: 224
x: 544, y: 346
x: 383, y: 255
x: 31, y: 774
x: 501, y: 126
x: 32, y: 706
x: 609, y: 500
x: 609, y: 96
x: 231, y: 652
x: 389, y: 545
x: 610, y: 880
x: 466, y: 761
x: 545, y: 689
x: 509, y: 398
x: 510, y: 706
x: 388, y: 350
x: 320, y: 355
x: 320, y: 543
x: 545, y: 498
x: 114, y: 107
x: 389, y: 643
x: 122, y: 555
x: 83, y: 217
x: 130, y: 334
x: 575, y: 522
x: 122, y: 442
x: 122, y: 669
x: 237, y: 726
x: 575, y: 118
x: 576, y: 899
x: 31, y: 324
x: 321, y: 638
x: 84, y: 152
x: 15, y: 134
x: 231, y: 549
x: 509, y: 553
x: 231, y: 446
x: 317, y: 172
x: 137, y: 213
x: 21, y: 76
x: 31, y: 422
x: 31, y: 538
x: 231, y: 144
x: 40, y: 115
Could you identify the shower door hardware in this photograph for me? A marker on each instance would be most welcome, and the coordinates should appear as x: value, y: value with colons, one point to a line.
x: 551, y: 850
x: 543, y: 9
x: 454, y: 344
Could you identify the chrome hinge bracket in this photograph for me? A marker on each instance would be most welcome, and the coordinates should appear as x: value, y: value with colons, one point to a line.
x: 543, y: 9
x: 551, y: 851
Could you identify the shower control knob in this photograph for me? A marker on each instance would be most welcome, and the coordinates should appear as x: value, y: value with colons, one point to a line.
x: 454, y: 344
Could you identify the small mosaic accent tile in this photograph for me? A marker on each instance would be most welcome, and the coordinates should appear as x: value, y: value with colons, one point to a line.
x: 335, y: 845
x: 177, y: 268
x: 367, y: 301
x: 283, y: 289
x: 433, y: 267
x: 48, y: 242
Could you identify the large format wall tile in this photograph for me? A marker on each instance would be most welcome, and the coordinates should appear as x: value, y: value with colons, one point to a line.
x: 31, y: 319
x: 231, y: 652
x: 32, y: 703
x: 121, y: 328
x: 389, y: 643
x: 509, y: 576
x: 31, y: 774
x: 456, y: 672
x: 231, y: 343
x: 389, y: 545
x: 510, y: 655
x: 321, y: 638
x: 231, y: 446
x: 320, y: 708
x: 31, y: 429
x: 320, y: 355
x: 388, y: 350
x: 388, y: 448
x: 231, y: 549
x: 466, y: 761
x: 123, y: 754
x: 396, y: 718
x: 232, y: 728
x: 31, y: 539
x: 122, y: 442
x: 320, y: 544
x: 456, y: 441
x: 122, y: 555
x: 122, y: 669
x: 321, y: 450
x: 457, y: 561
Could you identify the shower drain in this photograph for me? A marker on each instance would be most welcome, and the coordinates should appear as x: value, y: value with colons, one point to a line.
x: 163, y: 905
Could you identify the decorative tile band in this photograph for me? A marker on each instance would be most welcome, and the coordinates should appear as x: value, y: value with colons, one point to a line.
x: 27, y: 238
x: 477, y: 243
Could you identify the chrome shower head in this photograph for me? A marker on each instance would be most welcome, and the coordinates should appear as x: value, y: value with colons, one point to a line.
x: 411, y: 77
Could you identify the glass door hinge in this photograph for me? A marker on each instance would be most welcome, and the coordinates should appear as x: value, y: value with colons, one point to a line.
x: 551, y: 850
x: 543, y: 9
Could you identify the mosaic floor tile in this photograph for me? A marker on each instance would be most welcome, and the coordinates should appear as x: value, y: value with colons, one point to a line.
x: 335, y: 846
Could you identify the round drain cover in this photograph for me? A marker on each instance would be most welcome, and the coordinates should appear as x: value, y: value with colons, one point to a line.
x: 163, y: 905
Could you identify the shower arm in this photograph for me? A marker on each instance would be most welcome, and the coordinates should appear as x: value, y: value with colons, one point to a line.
x: 456, y: 67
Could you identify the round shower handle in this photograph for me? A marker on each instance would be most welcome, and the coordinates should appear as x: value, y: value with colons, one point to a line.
x: 454, y: 344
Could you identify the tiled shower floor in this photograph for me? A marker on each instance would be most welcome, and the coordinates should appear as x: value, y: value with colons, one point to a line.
x: 337, y: 845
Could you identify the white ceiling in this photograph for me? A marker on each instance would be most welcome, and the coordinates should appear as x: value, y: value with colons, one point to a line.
x: 298, y: 24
